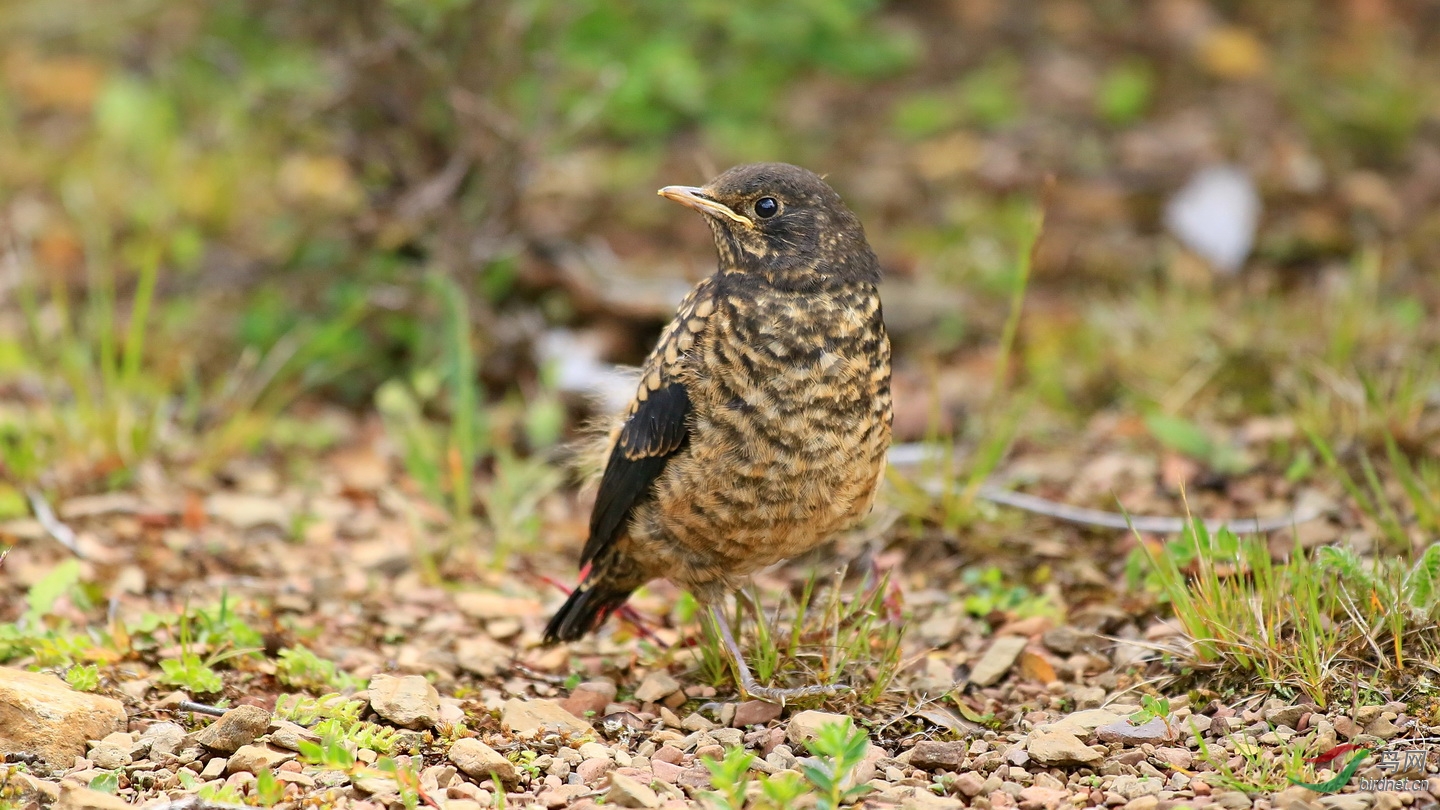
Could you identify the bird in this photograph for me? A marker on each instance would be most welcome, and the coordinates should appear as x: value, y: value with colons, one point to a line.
x: 761, y: 420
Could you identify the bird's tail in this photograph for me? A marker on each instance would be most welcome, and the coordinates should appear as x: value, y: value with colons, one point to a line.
x: 589, y: 605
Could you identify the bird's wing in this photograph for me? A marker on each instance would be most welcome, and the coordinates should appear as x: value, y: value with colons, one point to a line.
x: 656, y: 427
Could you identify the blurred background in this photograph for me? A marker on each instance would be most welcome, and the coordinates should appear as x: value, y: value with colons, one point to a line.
x: 220, y: 222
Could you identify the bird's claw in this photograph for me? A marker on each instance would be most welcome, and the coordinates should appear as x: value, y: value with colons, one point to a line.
x: 774, y: 694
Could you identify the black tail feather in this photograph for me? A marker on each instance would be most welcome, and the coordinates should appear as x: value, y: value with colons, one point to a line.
x: 586, y: 609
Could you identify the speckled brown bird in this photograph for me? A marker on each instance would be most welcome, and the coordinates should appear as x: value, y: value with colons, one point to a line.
x: 762, y: 417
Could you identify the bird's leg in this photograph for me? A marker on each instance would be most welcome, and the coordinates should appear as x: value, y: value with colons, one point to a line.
x: 748, y: 684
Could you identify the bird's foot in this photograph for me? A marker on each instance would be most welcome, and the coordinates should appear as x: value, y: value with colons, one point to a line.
x: 774, y: 694
x: 752, y: 687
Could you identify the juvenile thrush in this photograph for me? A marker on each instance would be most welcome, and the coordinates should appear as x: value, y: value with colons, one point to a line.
x: 762, y: 417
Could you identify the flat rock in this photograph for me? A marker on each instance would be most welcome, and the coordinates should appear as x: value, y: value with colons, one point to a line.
x: 931, y: 755
x: 1059, y: 748
x: 1083, y: 723
x: 479, y: 761
x: 289, y: 735
x: 755, y: 712
x: 163, y: 739
x: 656, y: 687
x: 408, y: 702
x: 1153, y: 731
x: 590, y: 697
x: 806, y: 726
x: 248, y: 511
x: 42, y: 715
x: 997, y: 660
x: 74, y: 797
x: 522, y: 715
x: 113, y: 751
x: 627, y: 792
x: 485, y: 606
x: 237, y: 727
x: 257, y: 758
x: 482, y: 655
x: 1036, y: 797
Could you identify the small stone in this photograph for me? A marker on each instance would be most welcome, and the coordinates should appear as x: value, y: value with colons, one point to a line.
x: 930, y: 755
x: 408, y: 702
x: 1083, y: 723
x: 1041, y: 798
x: 237, y: 727
x: 592, y: 770
x: 257, y: 758
x: 289, y: 735
x: 997, y: 660
x: 40, y: 714
x: 1064, y: 639
x: 1088, y: 697
x: 215, y: 768
x: 1179, y: 758
x: 806, y: 725
x: 1293, y: 796
x: 1131, y: 787
x: 589, y: 699
x: 521, y: 715
x: 1347, y: 728
x: 1059, y: 748
x: 479, y: 761
x: 968, y: 784
x: 248, y: 511
x: 1285, y: 715
x: 756, y: 712
x: 1154, y: 731
x: 627, y: 792
x: 113, y: 751
x: 74, y: 797
x: 162, y: 739
x: 1232, y: 800
x: 482, y: 655
x: 696, y: 722
x: 656, y: 687
x: 1382, y: 727
x: 1146, y: 802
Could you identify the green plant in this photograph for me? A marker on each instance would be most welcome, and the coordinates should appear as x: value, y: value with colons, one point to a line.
x: 837, y: 748
x: 823, y: 637
x: 731, y: 778
x: 307, y: 711
x: 269, y: 791
x: 1152, y: 708
x: 986, y: 592
x: 300, y: 667
x: 85, y: 678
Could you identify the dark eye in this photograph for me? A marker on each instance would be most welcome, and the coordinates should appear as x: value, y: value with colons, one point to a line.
x: 766, y: 207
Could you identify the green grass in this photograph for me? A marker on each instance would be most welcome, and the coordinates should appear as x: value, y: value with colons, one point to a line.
x: 838, y: 748
x: 1306, y: 624
x: 831, y: 633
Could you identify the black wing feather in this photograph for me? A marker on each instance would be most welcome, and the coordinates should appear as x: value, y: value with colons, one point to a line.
x: 659, y: 428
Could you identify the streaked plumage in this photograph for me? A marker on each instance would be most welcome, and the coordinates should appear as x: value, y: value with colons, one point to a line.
x: 762, y: 417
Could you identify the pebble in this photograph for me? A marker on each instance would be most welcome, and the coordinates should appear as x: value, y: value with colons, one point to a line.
x: 113, y: 751
x: 1180, y: 758
x: 408, y: 702
x: 656, y: 687
x: 478, y: 761
x: 627, y: 792
x: 931, y: 755
x: 806, y: 725
x: 756, y: 712
x: 590, y: 697
x: 237, y: 727
x: 256, y: 758
x: 1059, y: 748
x: 968, y: 784
x: 592, y: 770
x: 997, y: 660
x: 521, y: 715
x: 1041, y: 798
x: 1154, y: 732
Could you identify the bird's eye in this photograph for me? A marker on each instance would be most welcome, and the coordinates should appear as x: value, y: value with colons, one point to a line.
x: 766, y: 207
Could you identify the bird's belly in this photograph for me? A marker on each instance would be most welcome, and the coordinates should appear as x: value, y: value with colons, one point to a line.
x: 760, y: 485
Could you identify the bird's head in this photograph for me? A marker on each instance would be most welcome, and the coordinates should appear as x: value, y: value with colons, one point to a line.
x: 782, y: 224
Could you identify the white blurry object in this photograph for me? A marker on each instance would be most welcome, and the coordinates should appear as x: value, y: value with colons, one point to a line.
x: 1216, y: 215
x: 579, y: 370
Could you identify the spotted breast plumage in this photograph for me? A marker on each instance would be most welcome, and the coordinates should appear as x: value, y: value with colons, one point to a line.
x: 761, y: 421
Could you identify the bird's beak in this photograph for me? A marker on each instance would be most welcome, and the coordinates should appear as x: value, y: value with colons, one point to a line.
x: 695, y: 198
